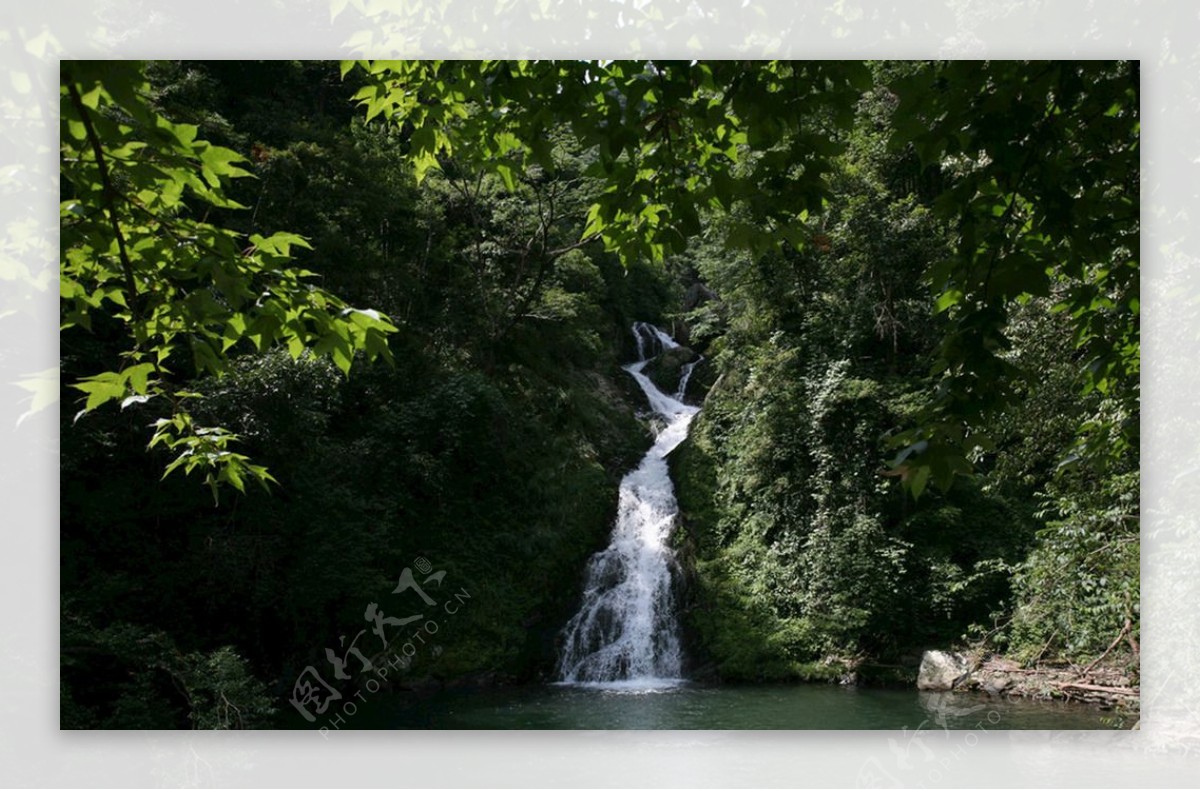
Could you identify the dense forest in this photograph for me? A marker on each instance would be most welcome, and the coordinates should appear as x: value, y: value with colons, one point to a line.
x: 324, y: 323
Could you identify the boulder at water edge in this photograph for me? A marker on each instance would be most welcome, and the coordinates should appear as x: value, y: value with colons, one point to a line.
x: 941, y: 671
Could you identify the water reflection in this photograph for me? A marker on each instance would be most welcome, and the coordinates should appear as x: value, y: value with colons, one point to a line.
x: 689, y: 706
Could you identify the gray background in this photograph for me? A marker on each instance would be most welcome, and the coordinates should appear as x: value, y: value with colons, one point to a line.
x: 34, y: 35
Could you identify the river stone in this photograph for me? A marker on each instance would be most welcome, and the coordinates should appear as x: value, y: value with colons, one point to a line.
x: 941, y: 671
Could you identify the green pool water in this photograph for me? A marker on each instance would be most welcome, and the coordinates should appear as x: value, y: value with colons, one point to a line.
x: 690, y: 706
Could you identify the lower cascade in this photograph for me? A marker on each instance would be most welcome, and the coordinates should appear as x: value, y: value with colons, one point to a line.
x: 625, y: 631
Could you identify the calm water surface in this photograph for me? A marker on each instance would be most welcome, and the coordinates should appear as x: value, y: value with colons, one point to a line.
x: 687, y: 706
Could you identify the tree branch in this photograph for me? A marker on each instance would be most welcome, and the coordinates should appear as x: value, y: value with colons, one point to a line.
x: 582, y: 242
x: 110, y: 196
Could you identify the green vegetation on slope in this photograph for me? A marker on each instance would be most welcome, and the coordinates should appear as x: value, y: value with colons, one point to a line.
x: 807, y: 558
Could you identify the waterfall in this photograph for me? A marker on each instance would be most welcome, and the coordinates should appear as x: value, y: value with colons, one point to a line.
x: 625, y: 631
x: 684, y: 374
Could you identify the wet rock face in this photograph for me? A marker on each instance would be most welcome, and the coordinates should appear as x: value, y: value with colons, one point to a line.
x: 665, y: 369
x: 941, y: 671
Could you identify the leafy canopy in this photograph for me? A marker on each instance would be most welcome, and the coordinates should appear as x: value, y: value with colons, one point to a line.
x: 1045, y: 203
x: 673, y: 138
x: 187, y: 293
x: 1041, y: 158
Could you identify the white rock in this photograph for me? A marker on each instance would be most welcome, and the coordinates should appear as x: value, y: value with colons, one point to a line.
x: 941, y: 671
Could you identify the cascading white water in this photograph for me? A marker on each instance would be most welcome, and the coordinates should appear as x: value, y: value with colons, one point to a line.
x: 625, y: 632
x: 685, y: 373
